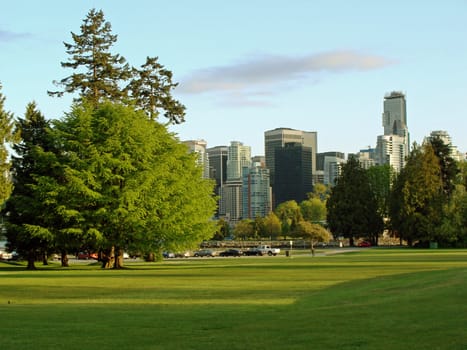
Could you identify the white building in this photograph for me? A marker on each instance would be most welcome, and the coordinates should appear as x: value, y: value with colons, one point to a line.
x: 446, y: 138
x: 199, y: 147
x: 257, y: 194
x: 391, y: 149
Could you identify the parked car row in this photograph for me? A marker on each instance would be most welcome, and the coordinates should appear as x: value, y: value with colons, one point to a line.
x: 228, y: 252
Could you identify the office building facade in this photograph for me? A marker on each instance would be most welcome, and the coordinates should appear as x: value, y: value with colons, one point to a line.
x: 293, y: 173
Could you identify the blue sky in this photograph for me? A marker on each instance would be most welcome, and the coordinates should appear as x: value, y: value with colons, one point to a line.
x: 245, y: 67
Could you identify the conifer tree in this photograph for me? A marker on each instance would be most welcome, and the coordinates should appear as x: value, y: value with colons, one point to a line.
x: 7, y: 136
x: 27, y: 230
x: 352, y: 209
x: 150, y: 88
x: 97, y: 73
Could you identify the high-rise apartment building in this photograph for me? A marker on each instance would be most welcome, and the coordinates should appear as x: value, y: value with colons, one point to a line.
x: 392, y: 150
x: 218, y: 171
x: 239, y: 156
x: 199, y: 147
x: 446, y: 138
x: 231, y: 204
x: 293, y: 173
x: 330, y: 163
x: 393, y: 147
x: 256, y: 191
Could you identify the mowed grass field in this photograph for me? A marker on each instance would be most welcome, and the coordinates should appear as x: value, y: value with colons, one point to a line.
x: 370, y: 299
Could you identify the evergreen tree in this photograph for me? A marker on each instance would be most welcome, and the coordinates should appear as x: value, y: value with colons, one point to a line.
x: 448, y: 166
x: 98, y: 74
x: 27, y: 230
x: 352, y: 208
x: 380, y: 177
x: 416, y: 197
x: 150, y: 88
x: 7, y: 136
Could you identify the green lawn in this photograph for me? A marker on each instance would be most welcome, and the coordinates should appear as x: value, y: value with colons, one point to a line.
x: 371, y: 299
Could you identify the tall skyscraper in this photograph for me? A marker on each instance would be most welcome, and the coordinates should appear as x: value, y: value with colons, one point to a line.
x: 393, y: 147
x: 218, y: 171
x: 256, y: 191
x: 218, y: 164
x: 277, y: 138
x: 293, y: 170
x: 239, y: 156
x: 199, y: 147
x: 231, y: 204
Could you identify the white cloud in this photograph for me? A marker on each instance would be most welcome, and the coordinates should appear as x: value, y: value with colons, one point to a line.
x: 6, y: 36
x: 264, y: 74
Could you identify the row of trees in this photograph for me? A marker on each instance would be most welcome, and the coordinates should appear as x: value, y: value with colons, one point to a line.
x: 290, y: 219
x: 425, y: 202
x: 108, y: 175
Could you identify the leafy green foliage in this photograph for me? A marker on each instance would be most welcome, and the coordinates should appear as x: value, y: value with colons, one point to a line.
x: 415, y: 208
x: 7, y: 136
x: 27, y: 229
x: 245, y: 229
x: 352, y: 209
x: 133, y: 181
x: 289, y: 214
x: 272, y: 226
x: 314, y: 232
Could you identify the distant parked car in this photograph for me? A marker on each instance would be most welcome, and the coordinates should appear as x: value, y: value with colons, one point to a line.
x: 183, y: 255
x: 364, y: 244
x: 253, y: 251
x: 205, y: 252
x: 231, y: 252
x: 83, y: 256
x: 168, y: 255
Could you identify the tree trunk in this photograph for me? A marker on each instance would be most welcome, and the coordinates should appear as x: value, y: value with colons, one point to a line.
x: 64, y: 259
x: 44, y: 259
x: 118, y: 258
x: 31, y: 260
x: 108, y: 260
x: 351, y: 241
x: 312, y: 248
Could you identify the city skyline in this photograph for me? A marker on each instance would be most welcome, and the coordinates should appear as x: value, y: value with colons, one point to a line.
x: 250, y: 66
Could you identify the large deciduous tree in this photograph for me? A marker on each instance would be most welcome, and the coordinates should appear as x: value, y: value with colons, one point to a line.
x: 314, y: 232
x: 135, y: 182
x: 289, y: 215
x: 352, y: 210
x: 272, y: 226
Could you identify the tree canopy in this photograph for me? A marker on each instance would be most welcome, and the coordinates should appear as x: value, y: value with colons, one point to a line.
x: 352, y: 210
x: 7, y: 136
x: 99, y: 74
